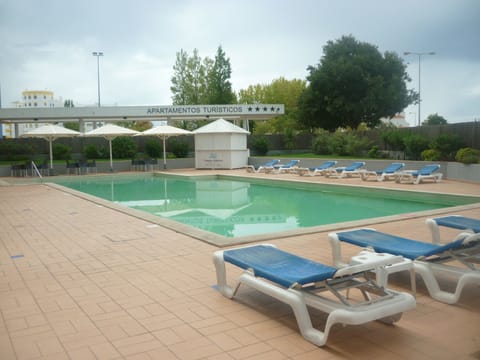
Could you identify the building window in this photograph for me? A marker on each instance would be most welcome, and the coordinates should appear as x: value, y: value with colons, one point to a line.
x: 34, y: 96
x: 34, y: 104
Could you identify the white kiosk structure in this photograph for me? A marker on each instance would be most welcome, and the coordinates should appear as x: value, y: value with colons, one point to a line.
x: 221, y: 145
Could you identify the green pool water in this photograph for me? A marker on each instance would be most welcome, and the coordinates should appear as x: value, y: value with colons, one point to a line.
x: 237, y: 207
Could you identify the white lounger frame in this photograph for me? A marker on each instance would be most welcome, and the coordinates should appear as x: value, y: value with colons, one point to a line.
x: 429, y: 269
x: 407, y: 177
x: 388, y: 307
x: 435, y: 230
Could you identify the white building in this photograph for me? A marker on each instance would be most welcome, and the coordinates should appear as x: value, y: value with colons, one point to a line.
x: 398, y: 120
x: 31, y: 99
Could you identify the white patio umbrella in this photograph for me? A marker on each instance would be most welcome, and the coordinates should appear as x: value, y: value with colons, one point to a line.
x: 50, y: 133
x: 164, y: 132
x: 110, y: 132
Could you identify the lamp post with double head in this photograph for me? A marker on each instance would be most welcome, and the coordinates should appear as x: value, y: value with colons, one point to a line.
x: 98, y: 54
x: 419, y: 54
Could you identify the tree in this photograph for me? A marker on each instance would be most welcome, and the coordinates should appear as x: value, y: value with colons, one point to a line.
x: 219, y: 88
x: 434, y: 119
x: 68, y: 103
x: 139, y: 125
x: 279, y: 91
x: 354, y: 83
x: 196, y: 79
x: 179, y: 86
x: 202, y: 81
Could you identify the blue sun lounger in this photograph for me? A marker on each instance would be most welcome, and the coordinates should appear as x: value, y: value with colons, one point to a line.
x: 429, y: 259
x: 453, y: 221
x: 390, y: 172
x: 300, y: 282
x: 428, y: 172
x: 346, y: 171
x: 260, y: 168
x: 280, y: 168
x: 318, y: 170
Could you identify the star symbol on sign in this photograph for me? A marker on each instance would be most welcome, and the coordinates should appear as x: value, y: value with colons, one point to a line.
x: 272, y: 109
x: 257, y: 109
x: 250, y: 108
x: 265, y: 109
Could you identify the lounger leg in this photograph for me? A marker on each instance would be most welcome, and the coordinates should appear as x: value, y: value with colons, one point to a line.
x: 297, y: 302
x: 223, y: 287
x: 426, y: 271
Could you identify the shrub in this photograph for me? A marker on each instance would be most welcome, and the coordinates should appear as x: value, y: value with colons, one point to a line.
x: 180, y: 149
x: 103, y: 153
x: 373, y: 152
x: 61, y: 152
x: 414, y: 145
x: 289, y: 138
x: 260, y: 145
x: 468, y: 156
x: 124, y: 147
x: 394, y: 139
x: 153, y: 148
x: 348, y: 143
x: 13, y: 151
x: 431, y: 155
x: 447, y: 145
x: 91, y: 152
x: 337, y: 143
x: 355, y: 144
x: 320, y: 144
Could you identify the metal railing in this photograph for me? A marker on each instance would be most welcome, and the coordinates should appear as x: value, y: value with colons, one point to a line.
x: 35, y: 170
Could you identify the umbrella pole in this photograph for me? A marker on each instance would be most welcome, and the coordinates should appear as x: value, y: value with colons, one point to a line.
x: 111, y: 160
x: 51, y: 156
x: 164, y: 155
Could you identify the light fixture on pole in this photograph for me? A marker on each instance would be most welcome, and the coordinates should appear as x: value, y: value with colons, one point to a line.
x: 419, y: 54
x: 98, y: 54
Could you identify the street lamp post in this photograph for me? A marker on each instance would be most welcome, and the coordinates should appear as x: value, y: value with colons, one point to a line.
x: 98, y: 54
x: 419, y: 54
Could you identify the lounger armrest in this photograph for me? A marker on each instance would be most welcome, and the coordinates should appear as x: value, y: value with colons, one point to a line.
x: 381, y: 260
x: 469, y: 237
x: 336, y: 246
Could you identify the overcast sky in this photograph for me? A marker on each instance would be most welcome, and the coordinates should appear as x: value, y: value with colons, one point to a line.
x: 48, y: 45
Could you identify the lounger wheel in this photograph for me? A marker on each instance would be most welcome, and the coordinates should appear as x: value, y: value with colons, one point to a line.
x: 392, y: 319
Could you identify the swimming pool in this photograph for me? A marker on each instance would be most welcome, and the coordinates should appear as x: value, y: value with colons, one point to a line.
x: 235, y: 207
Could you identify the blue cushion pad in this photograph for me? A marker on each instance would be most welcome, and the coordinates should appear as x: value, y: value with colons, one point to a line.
x: 278, y: 266
x: 395, y: 245
x: 459, y: 222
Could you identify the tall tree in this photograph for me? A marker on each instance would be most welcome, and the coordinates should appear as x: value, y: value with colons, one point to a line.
x: 179, y: 80
x: 219, y: 85
x: 279, y: 91
x: 354, y: 83
x: 435, y: 119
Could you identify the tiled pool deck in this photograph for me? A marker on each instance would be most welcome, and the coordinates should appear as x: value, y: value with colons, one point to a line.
x: 82, y: 281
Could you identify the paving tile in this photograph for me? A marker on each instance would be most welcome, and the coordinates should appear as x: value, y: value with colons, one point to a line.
x: 137, y: 344
x: 108, y: 286
x: 104, y: 351
x: 253, y: 350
